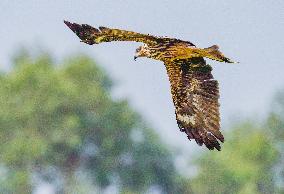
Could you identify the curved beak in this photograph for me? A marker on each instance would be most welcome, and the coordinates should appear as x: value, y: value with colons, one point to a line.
x: 135, y: 57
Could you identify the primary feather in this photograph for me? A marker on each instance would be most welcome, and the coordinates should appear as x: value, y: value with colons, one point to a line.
x: 194, y: 91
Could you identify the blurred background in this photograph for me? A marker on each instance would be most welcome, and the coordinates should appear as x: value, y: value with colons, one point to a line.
x: 83, y: 119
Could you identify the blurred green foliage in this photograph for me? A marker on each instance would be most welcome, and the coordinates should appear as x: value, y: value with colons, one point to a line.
x: 276, y: 124
x: 252, y: 159
x: 59, y: 124
x: 244, y: 166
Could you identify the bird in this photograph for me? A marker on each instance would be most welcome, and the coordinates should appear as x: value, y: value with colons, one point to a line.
x: 194, y: 90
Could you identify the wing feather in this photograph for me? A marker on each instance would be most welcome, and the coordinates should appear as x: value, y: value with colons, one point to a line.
x: 195, y: 94
x: 91, y: 35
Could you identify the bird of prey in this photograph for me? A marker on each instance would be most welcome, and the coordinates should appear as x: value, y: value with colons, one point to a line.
x: 194, y: 91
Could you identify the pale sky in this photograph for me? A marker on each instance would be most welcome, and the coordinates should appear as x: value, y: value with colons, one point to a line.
x: 250, y: 32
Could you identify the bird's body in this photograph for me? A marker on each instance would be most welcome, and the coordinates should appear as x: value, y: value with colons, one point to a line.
x: 176, y: 51
x: 195, y: 93
x: 172, y: 52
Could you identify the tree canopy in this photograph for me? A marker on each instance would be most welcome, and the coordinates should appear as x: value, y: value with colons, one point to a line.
x: 244, y: 166
x: 60, y: 125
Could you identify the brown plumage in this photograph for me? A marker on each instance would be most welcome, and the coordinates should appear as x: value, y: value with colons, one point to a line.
x: 195, y: 92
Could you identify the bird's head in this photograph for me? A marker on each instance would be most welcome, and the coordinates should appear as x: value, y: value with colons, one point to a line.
x: 142, y: 51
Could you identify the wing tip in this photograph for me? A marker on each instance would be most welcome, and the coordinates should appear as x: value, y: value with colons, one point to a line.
x: 66, y: 22
x: 83, y: 31
x: 207, y: 138
x: 72, y: 26
x: 228, y: 60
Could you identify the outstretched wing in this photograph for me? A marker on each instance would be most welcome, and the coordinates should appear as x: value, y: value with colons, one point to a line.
x: 91, y: 35
x: 195, y: 94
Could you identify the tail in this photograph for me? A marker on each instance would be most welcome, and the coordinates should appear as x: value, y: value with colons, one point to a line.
x: 214, y: 54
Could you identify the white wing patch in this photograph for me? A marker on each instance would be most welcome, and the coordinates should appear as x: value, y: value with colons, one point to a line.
x: 187, y: 119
